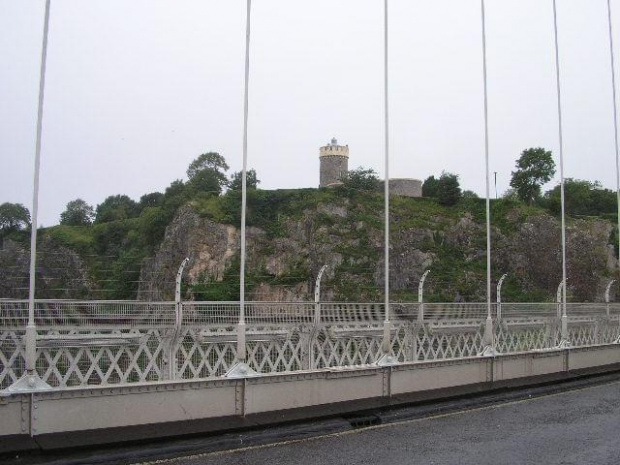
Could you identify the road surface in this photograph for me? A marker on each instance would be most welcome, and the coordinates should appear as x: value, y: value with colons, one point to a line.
x: 576, y: 427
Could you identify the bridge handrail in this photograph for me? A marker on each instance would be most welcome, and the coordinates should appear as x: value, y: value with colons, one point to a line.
x: 128, y: 313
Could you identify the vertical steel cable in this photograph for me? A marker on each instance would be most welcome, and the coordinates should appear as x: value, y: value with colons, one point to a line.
x: 30, y: 352
x: 387, y: 162
x: 486, y: 154
x: 615, y: 106
x: 561, y: 141
x: 241, y: 345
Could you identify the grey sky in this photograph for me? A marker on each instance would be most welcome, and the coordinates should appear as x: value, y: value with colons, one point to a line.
x: 137, y: 89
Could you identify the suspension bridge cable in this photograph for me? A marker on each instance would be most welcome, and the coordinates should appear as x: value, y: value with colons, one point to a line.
x: 561, y: 152
x: 387, y: 161
x: 245, y: 162
x: 615, y: 108
x: 486, y: 152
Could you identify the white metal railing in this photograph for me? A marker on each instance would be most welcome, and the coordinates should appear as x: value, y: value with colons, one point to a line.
x: 82, y: 343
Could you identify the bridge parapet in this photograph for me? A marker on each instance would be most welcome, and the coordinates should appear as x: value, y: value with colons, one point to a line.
x: 88, y: 343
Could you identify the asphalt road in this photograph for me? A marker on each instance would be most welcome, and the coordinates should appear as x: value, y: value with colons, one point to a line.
x: 575, y: 427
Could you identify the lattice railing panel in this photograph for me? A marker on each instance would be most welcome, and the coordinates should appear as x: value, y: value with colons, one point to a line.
x: 609, y: 332
x: 522, y: 336
x: 436, y: 341
x: 83, y: 343
x: 205, y: 353
x: 12, y: 357
x: 129, y: 356
x: 584, y: 333
x: 335, y: 346
x: 276, y: 354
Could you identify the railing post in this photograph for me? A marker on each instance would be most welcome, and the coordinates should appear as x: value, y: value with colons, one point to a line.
x: 310, y: 333
x: 171, y: 359
x: 608, y: 295
x: 419, y: 324
x: 499, y: 297
x: 421, y: 296
x: 317, y: 296
x: 563, y: 317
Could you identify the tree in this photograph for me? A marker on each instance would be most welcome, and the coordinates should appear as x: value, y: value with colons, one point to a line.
x: 116, y: 207
x: 207, y: 173
x: 448, y: 189
x: 430, y: 186
x: 77, y: 213
x: 236, y: 180
x: 470, y: 195
x: 583, y: 198
x: 13, y: 217
x: 154, y: 199
x: 535, y: 167
x: 361, y: 179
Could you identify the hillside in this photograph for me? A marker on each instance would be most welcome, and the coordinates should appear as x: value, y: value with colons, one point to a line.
x: 293, y: 233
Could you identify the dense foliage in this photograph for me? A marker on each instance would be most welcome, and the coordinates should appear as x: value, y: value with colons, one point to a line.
x: 535, y: 167
x: 583, y: 198
x: 125, y: 232
x: 360, y: 179
x: 13, y: 217
x: 77, y: 213
x: 446, y: 190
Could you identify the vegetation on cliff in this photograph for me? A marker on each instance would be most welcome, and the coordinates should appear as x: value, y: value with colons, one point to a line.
x: 132, y: 249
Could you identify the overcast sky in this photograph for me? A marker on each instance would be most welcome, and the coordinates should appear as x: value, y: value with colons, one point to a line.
x: 137, y: 89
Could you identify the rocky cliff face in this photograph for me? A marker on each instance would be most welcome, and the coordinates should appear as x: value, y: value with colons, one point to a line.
x: 60, y: 272
x: 284, y: 268
x: 345, y: 233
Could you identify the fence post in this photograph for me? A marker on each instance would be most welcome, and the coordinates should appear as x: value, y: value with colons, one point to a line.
x: 421, y: 296
x: 415, y: 326
x: 178, y: 321
x: 562, y: 316
x: 499, y: 297
x: 608, y: 295
x: 310, y: 334
x: 317, y: 296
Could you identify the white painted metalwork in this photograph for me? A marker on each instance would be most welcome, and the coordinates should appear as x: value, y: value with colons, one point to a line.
x: 421, y: 295
x: 500, y: 283
x: 608, y: 290
x: 561, y: 146
x: 489, y: 340
x: 177, y: 288
x: 615, y: 108
x: 88, y: 343
x: 243, y: 369
x: 317, y: 294
x: 387, y: 326
x: 31, y: 381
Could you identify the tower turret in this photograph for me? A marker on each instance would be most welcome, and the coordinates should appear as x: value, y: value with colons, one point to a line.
x: 334, y: 163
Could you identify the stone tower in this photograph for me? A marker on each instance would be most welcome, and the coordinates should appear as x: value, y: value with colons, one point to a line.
x: 334, y: 163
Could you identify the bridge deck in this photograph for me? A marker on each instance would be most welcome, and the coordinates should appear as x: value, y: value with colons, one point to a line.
x: 576, y: 427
